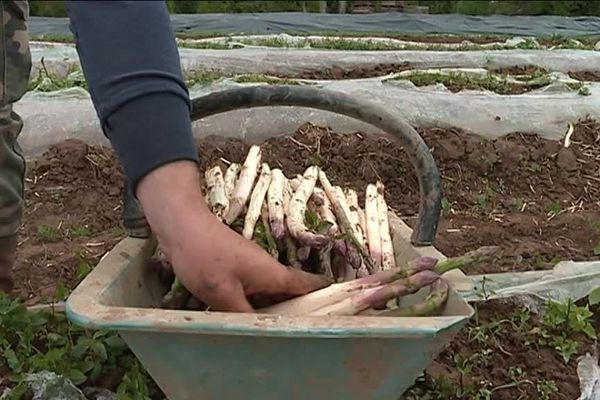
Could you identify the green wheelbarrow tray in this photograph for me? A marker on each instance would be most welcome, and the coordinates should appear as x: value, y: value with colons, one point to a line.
x: 195, y: 355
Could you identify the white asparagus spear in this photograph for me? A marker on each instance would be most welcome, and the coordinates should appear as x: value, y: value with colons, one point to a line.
x: 340, y: 208
x: 297, y: 210
x: 231, y: 177
x: 352, y: 252
x: 295, y: 182
x: 387, y: 249
x: 326, y: 213
x: 256, y: 201
x: 363, y: 219
x: 275, y: 203
x: 216, y: 191
x: 354, y: 208
x: 243, y: 186
x: 373, y: 235
x: 337, y: 292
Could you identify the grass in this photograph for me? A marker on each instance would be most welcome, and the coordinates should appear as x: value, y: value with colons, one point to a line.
x: 48, y: 233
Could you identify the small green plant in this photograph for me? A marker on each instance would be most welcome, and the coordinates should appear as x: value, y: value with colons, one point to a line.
x: 202, y: 77
x: 117, y: 231
x: 528, y: 44
x: 559, y: 322
x: 520, y: 321
x: 584, y: 91
x: 569, y: 318
x: 567, y: 348
x: 464, y: 367
x: 83, y: 267
x: 515, y: 373
x: 78, y: 231
x: 47, y: 82
x: 553, y: 208
x: 535, y: 167
x: 580, y: 87
x: 446, y: 205
x: 546, y: 388
x: 48, y: 233
x: 518, y: 204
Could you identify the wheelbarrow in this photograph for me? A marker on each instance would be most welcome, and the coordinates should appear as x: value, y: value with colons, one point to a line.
x: 195, y: 355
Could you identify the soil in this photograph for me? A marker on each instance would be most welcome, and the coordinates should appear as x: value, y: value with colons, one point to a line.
x: 72, y: 217
x: 535, y: 198
x: 517, y: 70
x: 586, y: 76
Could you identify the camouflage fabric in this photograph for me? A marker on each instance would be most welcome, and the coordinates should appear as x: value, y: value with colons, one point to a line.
x: 14, y: 50
x: 15, y: 67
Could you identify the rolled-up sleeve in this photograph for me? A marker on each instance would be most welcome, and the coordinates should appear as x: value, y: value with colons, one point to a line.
x: 129, y: 56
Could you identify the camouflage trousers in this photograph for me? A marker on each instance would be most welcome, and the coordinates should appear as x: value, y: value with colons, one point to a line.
x: 15, y: 67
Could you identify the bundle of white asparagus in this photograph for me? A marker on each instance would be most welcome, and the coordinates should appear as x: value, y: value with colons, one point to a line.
x: 303, y: 220
x: 306, y: 222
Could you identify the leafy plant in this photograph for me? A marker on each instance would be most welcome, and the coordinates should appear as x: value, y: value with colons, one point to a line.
x: 546, y: 388
x: 446, y: 205
x: 44, y: 340
x: 569, y: 317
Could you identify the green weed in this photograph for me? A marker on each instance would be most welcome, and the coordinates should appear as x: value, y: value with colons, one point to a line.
x: 48, y: 233
x: 457, y: 81
x: 36, y: 341
x: 78, y: 231
x: 48, y: 82
x: 546, y: 388
x: 202, y: 77
x: 553, y: 208
x: 446, y: 206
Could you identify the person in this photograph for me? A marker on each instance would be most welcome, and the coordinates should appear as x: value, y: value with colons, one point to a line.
x: 130, y: 60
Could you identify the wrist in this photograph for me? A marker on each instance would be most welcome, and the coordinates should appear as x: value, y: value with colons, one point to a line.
x: 170, y: 195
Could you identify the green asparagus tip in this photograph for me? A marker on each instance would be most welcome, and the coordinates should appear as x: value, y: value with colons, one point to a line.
x: 472, y: 256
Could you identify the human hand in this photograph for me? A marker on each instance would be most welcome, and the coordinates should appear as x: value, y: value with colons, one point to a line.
x: 216, y: 264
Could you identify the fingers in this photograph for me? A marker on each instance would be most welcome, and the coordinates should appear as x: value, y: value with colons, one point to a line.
x: 227, y: 296
x: 283, y: 280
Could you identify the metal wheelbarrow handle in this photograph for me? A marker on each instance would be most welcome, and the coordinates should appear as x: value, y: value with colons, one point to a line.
x: 278, y: 95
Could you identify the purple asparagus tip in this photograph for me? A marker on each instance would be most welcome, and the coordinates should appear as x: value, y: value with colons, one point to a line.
x: 401, y: 287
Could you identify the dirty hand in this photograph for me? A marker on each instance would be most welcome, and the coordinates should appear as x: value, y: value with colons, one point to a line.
x: 216, y: 264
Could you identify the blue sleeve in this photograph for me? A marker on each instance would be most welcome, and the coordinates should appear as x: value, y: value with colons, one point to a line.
x: 129, y: 56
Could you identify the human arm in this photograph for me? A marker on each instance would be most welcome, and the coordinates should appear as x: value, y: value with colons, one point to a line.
x: 130, y: 60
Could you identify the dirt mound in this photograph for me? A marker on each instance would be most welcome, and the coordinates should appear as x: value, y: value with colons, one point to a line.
x: 72, y: 216
x: 589, y: 76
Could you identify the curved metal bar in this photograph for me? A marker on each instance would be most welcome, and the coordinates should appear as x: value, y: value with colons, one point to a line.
x: 263, y: 96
